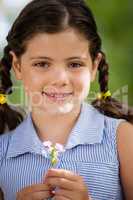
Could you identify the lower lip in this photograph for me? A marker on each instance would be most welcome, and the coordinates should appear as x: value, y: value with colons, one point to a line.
x: 57, y: 99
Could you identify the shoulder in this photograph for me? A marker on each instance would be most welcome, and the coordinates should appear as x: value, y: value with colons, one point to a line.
x: 110, y: 123
x: 6, y: 137
x: 125, y: 152
x: 107, y: 125
x: 125, y: 130
x: 125, y: 137
x: 4, y: 141
x: 113, y: 123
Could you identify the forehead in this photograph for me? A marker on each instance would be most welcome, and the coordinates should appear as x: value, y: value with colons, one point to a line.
x: 68, y: 42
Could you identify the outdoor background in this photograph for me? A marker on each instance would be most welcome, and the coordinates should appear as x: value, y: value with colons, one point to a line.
x: 114, y: 20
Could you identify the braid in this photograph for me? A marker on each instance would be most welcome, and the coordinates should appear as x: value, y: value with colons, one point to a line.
x: 9, y: 117
x: 110, y: 106
x: 103, y: 74
x: 5, y: 67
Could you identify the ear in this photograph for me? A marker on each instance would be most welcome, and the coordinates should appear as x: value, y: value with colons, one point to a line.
x: 16, y: 66
x: 95, y: 65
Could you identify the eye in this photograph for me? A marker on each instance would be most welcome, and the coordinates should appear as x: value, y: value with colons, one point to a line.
x: 76, y: 65
x: 41, y: 64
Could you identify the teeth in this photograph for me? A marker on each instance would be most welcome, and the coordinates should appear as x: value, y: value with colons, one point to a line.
x: 57, y: 95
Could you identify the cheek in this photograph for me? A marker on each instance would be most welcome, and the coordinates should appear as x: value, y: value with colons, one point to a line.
x: 31, y: 82
x: 34, y: 82
x: 82, y: 83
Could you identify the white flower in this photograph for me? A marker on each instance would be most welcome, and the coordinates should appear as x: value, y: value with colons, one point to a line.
x: 53, y: 150
x: 47, y: 144
x: 59, y: 147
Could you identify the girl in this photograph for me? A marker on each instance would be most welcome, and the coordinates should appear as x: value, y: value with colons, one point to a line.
x: 55, y: 50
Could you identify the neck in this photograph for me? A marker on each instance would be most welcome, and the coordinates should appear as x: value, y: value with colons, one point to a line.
x: 55, y: 128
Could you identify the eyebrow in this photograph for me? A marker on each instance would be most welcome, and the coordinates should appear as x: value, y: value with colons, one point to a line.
x: 50, y: 59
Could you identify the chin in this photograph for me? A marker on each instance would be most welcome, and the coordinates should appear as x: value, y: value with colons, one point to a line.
x: 66, y: 108
x: 58, y: 109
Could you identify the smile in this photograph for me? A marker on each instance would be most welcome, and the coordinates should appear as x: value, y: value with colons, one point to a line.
x: 57, y: 96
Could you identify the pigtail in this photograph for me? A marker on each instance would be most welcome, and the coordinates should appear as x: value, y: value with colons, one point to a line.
x: 9, y: 117
x: 110, y: 106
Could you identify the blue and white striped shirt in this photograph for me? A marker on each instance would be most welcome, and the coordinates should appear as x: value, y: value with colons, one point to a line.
x: 91, y: 151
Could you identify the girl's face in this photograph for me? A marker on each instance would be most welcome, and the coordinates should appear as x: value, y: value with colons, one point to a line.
x: 56, y: 70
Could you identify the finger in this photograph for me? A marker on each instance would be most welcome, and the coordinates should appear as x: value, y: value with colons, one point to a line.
x: 34, y: 196
x: 63, y: 174
x: 60, y: 198
x: 35, y: 188
x: 77, y: 194
x: 40, y: 195
x: 65, y: 193
x: 62, y: 183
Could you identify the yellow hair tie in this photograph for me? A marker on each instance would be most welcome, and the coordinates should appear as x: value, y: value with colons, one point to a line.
x: 104, y: 95
x: 3, y: 99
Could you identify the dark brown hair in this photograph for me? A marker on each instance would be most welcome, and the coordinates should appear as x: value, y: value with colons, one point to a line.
x: 52, y: 16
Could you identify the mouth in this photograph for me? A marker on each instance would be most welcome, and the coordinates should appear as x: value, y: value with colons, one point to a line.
x: 57, y: 97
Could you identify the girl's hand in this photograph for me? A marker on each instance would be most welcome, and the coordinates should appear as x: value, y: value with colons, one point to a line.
x: 69, y: 185
x: 34, y: 192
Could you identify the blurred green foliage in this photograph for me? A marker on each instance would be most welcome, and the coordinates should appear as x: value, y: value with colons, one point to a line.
x: 114, y: 19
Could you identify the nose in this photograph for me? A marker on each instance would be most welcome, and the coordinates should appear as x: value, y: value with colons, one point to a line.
x: 60, y: 77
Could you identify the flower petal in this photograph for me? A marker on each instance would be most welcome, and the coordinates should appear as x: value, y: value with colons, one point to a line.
x: 47, y: 144
x: 59, y: 147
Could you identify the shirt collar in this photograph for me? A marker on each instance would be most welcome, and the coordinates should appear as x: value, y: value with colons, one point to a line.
x: 87, y: 130
x: 24, y: 139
